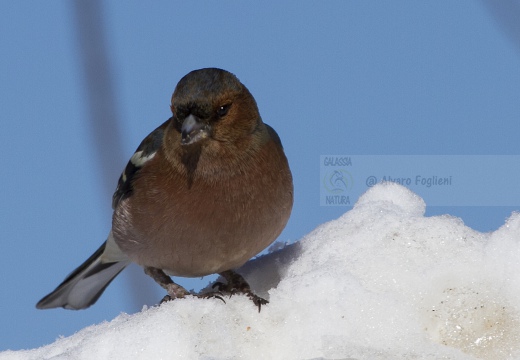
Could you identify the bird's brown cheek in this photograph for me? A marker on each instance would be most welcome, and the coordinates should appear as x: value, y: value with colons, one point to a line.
x: 229, y: 130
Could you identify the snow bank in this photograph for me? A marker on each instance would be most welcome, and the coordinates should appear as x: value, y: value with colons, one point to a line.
x: 381, y: 282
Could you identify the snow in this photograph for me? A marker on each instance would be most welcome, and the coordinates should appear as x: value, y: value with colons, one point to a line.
x: 381, y: 282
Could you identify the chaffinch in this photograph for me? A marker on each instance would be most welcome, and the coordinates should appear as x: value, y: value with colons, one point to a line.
x: 203, y: 193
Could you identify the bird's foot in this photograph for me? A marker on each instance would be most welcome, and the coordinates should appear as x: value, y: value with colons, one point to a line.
x: 174, y: 290
x: 236, y: 284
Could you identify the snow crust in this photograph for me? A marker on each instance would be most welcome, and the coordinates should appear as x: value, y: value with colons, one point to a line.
x: 380, y: 282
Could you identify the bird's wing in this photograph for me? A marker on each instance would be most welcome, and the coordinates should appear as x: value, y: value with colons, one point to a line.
x: 144, y: 153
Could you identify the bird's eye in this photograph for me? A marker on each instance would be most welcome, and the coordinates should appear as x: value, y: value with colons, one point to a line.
x: 223, y: 110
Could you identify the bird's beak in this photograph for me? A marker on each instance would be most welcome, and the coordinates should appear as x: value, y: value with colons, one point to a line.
x: 193, y: 130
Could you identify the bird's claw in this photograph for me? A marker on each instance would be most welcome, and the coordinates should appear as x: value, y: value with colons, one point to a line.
x: 236, y: 284
x: 214, y: 294
x: 257, y: 300
x: 166, y: 298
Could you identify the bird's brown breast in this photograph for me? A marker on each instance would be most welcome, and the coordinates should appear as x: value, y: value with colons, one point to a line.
x: 204, y: 225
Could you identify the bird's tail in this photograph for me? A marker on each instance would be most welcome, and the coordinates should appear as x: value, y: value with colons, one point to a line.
x: 85, y: 285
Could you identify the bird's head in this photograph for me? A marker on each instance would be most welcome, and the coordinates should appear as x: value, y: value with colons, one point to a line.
x: 213, y: 105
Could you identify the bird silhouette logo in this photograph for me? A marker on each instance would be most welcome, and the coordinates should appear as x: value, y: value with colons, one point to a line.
x: 338, y: 181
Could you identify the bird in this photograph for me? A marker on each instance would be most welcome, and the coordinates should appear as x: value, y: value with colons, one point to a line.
x: 203, y: 193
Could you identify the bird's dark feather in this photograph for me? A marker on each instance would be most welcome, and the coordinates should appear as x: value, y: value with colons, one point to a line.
x: 148, y: 146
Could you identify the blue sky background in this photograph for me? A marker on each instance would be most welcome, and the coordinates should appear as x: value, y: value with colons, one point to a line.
x: 337, y: 77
